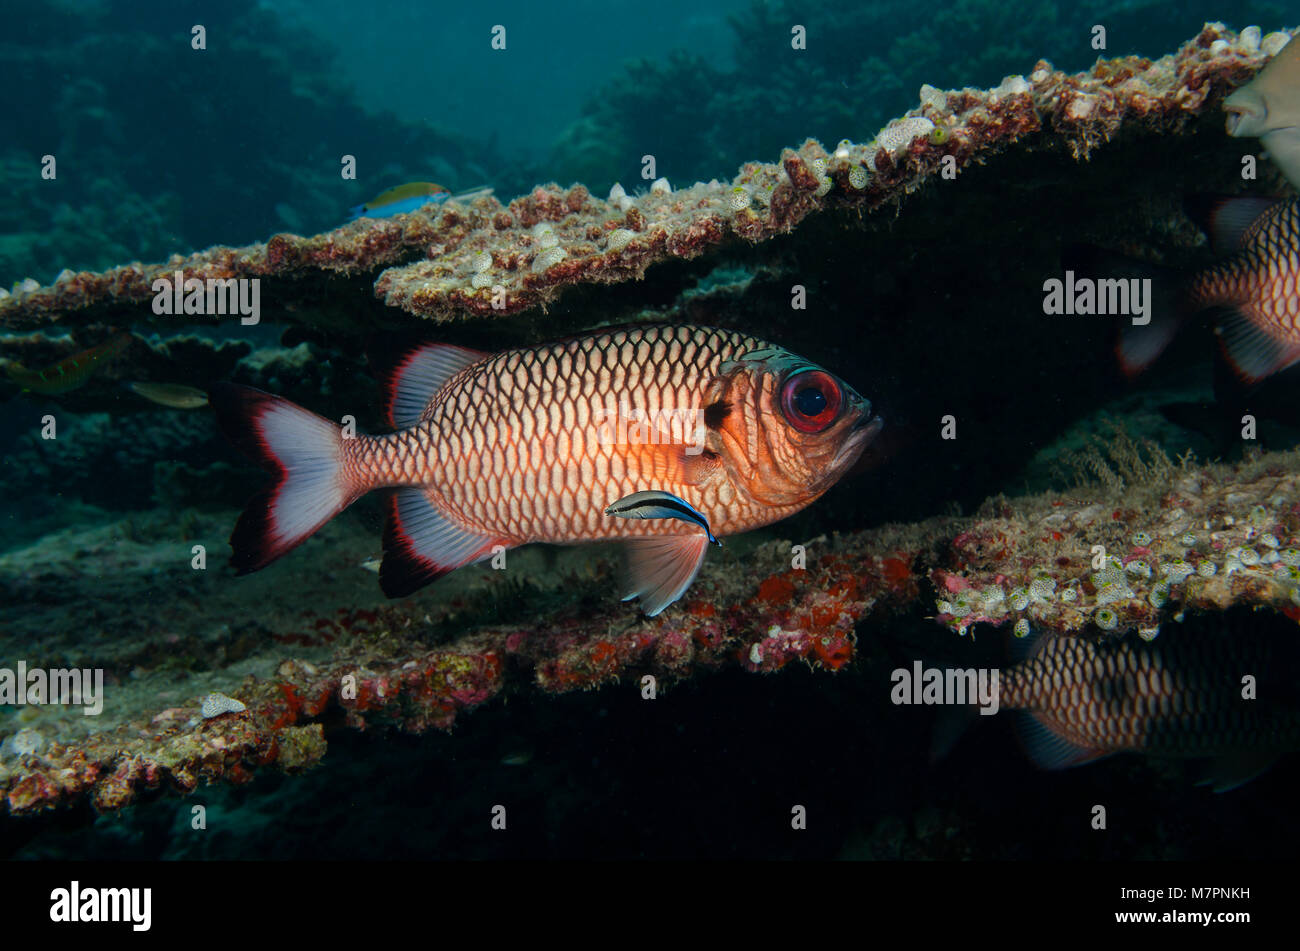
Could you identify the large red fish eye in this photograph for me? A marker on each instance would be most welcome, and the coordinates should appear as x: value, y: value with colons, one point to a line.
x: 811, y: 400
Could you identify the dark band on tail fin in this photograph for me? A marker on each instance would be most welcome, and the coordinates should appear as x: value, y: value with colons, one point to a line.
x: 421, y: 544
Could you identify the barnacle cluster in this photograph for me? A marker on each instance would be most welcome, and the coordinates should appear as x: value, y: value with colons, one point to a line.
x: 1172, y: 564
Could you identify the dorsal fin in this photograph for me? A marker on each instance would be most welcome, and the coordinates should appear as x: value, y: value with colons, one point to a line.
x: 419, y: 375
x: 1226, y: 218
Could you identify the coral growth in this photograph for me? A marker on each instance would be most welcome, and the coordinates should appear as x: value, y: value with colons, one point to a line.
x: 554, y: 237
x: 1212, y: 538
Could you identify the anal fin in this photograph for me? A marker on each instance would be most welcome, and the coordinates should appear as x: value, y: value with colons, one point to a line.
x: 421, y: 544
x: 662, y: 567
x: 1047, y: 748
x: 1253, y: 352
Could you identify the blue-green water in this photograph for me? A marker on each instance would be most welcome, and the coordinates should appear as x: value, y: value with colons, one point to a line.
x: 164, y: 148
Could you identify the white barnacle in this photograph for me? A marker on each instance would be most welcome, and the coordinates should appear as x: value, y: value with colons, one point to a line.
x: 619, y: 239
x: 898, y: 135
x: 1115, y: 592
x: 1042, y: 588
x: 545, y: 235
x: 660, y: 186
x: 1011, y: 86
x: 934, y: 98
x: 1250, y: 39
x: 619, y: 199
x: 1138, y: 568
x: 215, y: 704
x: 549, y: 258
x: 1272, y: 44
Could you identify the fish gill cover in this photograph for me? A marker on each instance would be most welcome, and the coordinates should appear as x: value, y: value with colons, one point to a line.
x: 850, y: 297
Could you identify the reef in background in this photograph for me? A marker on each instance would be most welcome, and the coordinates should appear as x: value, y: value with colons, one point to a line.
x: 282, y: 642
x: 482, y: 258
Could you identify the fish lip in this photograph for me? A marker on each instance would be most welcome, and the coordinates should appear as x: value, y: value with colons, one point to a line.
x: 863, y: 431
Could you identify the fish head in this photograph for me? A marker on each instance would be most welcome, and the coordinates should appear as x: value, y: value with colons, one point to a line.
x: 785, y: 429
x: 1270, y: 101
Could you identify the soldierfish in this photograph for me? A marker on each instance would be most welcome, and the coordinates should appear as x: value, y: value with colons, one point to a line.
x: 1253, y: 290
x: 71, y: 372
x: 400, y: 200
x: 1269, y: 107
x: 534, y: 444
x: 1182, y: 695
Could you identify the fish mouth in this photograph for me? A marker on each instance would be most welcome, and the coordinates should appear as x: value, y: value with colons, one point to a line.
x: 1246, y: 115
x: 863, y: 431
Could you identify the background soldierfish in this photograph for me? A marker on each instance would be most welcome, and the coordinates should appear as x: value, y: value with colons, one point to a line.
x: 1254, y: 289
x: 1179, y: 696
x: 534, y: 444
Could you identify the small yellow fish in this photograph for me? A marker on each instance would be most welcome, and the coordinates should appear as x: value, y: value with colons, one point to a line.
x: 1268, y: 107
x: 69, y: 373
x: 171, y: 395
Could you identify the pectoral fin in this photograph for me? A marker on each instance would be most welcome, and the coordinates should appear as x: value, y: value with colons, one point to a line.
x: 676, y: 464
x: 662, y: 568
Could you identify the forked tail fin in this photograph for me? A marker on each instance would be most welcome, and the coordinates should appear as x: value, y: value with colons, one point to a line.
x: 304, y: 452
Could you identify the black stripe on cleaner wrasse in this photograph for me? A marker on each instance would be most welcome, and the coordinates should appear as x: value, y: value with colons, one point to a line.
x: 656, y: 504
